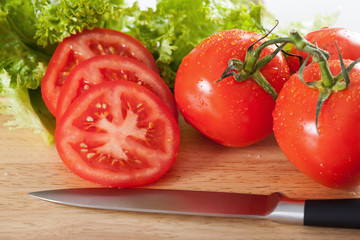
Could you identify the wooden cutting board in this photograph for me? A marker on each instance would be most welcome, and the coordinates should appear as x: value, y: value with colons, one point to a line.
x: 27, y: 164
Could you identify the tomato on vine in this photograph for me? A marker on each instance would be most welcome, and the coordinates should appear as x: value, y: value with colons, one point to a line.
x: 235, y: 111
x: 316, y: 122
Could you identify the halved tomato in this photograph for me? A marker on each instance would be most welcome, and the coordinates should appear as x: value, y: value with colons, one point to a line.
x: 100, y: 69
x: 118, y: 134
x: 79, y: 47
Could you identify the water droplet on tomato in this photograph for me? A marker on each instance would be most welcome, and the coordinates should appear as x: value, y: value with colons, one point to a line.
x: 201, y: 101
x: 335, y: 116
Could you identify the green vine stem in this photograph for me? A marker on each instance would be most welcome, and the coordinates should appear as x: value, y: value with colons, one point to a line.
x: 251, y: 66
x: 328, y: 83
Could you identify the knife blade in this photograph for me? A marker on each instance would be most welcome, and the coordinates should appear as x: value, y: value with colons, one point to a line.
x: 275, y: 207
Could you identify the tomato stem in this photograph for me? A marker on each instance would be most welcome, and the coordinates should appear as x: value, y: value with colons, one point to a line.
x: 303, y: 45
x: 253, y: 56
x: 251, y: 66
x: 328, y: 83
x: 326, y: 76
x: 261, y: 80
x: 323, y: 96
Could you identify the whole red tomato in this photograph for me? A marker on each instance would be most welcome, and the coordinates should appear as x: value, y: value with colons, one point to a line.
x: 330, y: 154
x: 347, y: 41
x: 231, y: 113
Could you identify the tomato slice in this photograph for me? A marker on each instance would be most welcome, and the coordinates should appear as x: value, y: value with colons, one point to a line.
x: 111, y: 68
x: 79, y: 47
x: 118, y: 134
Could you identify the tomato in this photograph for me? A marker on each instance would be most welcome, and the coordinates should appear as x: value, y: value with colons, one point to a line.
x: 347, y: 41
x: 118, y: 134
x: 231, y: 113
x: 112, y: 68
x: 330, y: 154
x: 81, y: 46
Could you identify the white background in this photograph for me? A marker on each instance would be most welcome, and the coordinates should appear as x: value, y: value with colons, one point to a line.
x: 287, y: 11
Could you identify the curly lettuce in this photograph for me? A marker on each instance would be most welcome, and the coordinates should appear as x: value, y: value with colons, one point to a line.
x: 175, y: 27
x: 31, y: 29
x: 25, y: 107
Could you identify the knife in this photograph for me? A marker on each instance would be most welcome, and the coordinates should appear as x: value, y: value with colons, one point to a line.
x: 275, y: 207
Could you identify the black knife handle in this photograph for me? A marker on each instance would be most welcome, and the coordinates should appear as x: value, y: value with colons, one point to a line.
x: 343, y: 213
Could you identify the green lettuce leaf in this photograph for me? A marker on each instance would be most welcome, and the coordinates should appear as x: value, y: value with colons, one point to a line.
x: 175, y: 27
x: 30, y: 30
x: 16, y: 101
x: 29, y: 33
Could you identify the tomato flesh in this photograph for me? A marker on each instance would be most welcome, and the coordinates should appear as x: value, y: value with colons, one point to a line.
x: 118, y: 134
x: 331, y: 155
x: 232, y: 113
x: 81, y: 46
x: 100, y: 69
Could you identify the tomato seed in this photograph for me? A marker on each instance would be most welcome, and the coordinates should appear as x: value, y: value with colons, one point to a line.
x: 83, y: 145
x: 102, y: 158
x: 101, y: 49
x: 128, y: 104
x: 112, y: 49
x: 89, y: 119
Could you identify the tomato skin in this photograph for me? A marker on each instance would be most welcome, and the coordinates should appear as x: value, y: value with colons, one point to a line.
x: 325, y: 38
x: 103, y: 68
x: 82, y: 46
x: 231, y: 113
x: 332, y: 157
x: 118, y: 134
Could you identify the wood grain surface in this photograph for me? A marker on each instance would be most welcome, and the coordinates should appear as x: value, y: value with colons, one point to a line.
x: 27, y: 164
